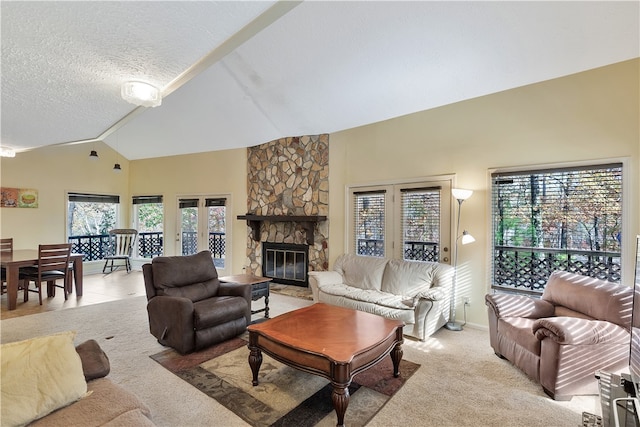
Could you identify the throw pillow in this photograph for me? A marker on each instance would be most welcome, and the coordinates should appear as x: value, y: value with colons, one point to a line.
x: 38, y: 376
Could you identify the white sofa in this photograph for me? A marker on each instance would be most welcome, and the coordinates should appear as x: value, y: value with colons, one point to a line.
x: 419, y: 293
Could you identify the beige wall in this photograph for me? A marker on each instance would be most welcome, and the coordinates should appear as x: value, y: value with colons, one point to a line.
x: 212, y: 173
x: 53, y: 171
x: 588, y: 116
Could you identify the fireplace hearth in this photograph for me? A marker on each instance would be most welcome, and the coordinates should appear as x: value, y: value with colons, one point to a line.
x: 285, y: 263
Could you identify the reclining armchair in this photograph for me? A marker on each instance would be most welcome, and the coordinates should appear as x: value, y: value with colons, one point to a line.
x: 189, y: 309
x: 580, y: 325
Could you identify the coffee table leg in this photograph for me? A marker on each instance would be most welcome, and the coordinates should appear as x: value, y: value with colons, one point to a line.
x: 255, y: 357
x: 340, y: 399
x: 396, y: 357
x: 266, y: 306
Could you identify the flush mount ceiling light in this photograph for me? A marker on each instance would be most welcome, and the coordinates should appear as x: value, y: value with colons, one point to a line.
x: 7, y: 152
x: 141, y: 93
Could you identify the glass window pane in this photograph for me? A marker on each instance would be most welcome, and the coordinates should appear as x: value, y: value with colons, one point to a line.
x: 561, y: 219
x: 421, y: 224
x: 369, y: 220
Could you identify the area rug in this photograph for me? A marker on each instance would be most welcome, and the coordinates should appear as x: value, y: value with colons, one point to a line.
x: 292, y: 291
x: 284, y: 396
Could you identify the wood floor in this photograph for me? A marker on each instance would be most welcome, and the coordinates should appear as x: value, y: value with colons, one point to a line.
x: 97, y: 288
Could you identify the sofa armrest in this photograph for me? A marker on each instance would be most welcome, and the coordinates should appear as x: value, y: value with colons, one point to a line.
x: 432, y: 294
x: 507, y: 305
x: 318, y: 279
x: 577, y: 331
x: 171, y: 322
x: 95, y: 363
x: 235, y: 290
x: 323, y: 278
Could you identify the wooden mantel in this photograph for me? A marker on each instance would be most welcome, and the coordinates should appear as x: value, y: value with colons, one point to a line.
x: 306, y: 221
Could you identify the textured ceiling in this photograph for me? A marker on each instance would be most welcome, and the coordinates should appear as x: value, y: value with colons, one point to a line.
x: 238, y: 74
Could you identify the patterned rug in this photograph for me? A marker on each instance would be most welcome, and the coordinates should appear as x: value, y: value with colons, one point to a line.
x: 292, y: 291
x: 285, y: 396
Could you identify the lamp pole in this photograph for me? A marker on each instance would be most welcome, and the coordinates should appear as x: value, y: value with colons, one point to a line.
x: 461, y: 196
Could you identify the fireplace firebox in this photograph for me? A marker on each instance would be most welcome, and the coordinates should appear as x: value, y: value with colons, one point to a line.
x: 285, y: 263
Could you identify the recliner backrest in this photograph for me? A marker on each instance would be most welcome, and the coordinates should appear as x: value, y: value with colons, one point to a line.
x: 592, y: 297
x: 191, y: 276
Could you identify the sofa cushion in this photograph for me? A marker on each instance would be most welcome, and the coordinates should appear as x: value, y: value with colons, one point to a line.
x: 383, y: 299
x: 217, y: 311
x: 192, y: 276
x: 107, y: 404
x: 39, y: 375
x: 407, y: 277
x: 361, y: 271
x: 519, y: 330
x: 95, y: 363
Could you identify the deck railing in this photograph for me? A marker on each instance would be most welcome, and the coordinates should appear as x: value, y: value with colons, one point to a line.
x: 412, y: 250
x: 148, y: 245
x: 527, y: 269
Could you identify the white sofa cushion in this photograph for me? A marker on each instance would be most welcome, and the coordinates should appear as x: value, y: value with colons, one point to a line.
x: 383, y: 299
x: 407, y: 277
x: 361, y: 271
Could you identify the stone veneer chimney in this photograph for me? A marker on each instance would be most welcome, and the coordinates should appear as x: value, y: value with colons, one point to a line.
x: 289, y: 176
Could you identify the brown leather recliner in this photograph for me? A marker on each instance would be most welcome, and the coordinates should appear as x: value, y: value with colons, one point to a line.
x: 189, y: 309
x: 580, y: 325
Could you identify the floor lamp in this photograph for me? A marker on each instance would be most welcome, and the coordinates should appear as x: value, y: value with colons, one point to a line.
x: 465, y: 238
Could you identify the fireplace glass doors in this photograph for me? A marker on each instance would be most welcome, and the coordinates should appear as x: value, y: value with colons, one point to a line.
x: 285, y: 263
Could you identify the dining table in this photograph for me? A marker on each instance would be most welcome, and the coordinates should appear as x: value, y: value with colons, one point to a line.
x: 12, y: 261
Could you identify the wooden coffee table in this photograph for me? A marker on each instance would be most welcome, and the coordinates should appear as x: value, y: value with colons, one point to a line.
x: 334, y: 342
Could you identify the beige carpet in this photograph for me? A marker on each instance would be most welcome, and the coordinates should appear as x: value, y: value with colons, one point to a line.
x: 460, y: 381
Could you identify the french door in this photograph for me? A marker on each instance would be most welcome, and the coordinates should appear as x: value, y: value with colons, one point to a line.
x: 202, y: 226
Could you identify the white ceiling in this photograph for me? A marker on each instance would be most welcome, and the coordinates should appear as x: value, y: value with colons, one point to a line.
x: 239, y: 73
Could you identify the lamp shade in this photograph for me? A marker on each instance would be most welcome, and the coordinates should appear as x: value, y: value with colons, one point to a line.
x: 466, y: 238
x: 141, y: 93
x: 461, y: 194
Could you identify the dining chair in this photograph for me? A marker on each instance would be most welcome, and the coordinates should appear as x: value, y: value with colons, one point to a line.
x: 53, y: 265
x: 6, y: 246
x: 121, y: 248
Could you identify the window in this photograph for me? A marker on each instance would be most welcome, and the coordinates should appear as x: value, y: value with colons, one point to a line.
x: 369, y: 212
x: 202, y: 225
x: 148, y: 219
x: 406, y: 221
x: 420, y: 223
x: 89, y: 219
x: 556, y: 219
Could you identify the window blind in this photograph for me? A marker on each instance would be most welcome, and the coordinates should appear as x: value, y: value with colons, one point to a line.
x: 93, y: 198
x: 369, y: 221
x: 187, y: 203
x: 140, y: 200
x: 420, y: 223
x: 566, y: 218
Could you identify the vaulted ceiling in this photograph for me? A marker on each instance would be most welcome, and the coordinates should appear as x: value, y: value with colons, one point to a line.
x: 239, y: 73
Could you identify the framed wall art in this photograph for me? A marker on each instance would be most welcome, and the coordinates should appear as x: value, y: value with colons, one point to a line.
x: 18, y: 197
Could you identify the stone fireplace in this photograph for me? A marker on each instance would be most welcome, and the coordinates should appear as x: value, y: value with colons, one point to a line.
x: 288, y: 200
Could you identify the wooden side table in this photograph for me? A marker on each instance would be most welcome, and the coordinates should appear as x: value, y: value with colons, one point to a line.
x: 259, y: 288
